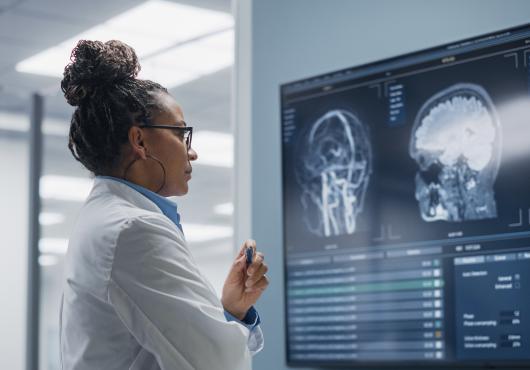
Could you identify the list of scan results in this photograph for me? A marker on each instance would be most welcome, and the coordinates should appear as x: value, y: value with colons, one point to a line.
x: 433, y: 304
x: 382, y: 311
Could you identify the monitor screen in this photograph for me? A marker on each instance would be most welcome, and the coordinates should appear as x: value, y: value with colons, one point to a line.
x: 406, y: 209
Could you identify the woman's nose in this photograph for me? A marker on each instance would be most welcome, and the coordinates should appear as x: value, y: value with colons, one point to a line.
x: 192, y: 154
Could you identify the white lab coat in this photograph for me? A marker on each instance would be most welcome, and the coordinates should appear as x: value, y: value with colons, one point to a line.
x: 134, y: 297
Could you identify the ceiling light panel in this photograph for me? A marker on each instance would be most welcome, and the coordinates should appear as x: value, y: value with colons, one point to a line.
x: 46, y: 260
x: 53, y: 245
x: 66, y: 188
x: 190, y: 61
x: 182, y: 41
x: 224, y: 209
x: 214, y: 148
x: 199, y: 233
x: 50, y: 218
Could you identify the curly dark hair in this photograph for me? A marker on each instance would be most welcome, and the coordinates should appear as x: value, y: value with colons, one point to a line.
x: 100, y: 81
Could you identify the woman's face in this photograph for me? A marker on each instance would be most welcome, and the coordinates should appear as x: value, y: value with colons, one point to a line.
x: 169, y: 146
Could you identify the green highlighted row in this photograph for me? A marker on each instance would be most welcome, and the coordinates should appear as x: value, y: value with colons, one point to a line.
x: 372, y: 287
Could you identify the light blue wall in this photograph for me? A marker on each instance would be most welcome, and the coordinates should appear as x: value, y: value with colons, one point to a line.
x: 293, y: 39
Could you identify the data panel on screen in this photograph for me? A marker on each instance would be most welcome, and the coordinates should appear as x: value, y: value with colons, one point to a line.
x: 406, y: 209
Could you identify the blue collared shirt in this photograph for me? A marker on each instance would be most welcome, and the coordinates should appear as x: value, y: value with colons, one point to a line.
x: 251, y: 319
x: 169, y: 209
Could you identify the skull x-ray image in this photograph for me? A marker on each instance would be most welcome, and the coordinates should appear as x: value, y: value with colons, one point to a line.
x: 334, y: 163
x: 456, y: 142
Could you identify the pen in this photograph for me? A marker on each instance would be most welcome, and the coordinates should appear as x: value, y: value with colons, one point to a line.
x: 249, y: 252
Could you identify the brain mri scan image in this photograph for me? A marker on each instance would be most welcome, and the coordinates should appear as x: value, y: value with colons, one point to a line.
x: 456, y: 143
x: 333, y: 171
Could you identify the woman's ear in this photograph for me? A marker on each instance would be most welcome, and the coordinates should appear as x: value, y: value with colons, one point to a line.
x: 136, y: 141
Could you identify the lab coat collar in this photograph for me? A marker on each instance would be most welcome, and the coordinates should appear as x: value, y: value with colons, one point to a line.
x: 166, y: 205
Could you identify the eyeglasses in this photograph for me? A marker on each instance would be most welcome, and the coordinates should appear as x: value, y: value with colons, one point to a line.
x: 186, y: 131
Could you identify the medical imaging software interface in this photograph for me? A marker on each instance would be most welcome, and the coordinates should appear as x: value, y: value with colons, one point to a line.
x: 406, y: 209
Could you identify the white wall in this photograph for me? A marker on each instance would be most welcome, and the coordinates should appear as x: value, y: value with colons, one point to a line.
x: 294, y: 39
x: 14, y: 176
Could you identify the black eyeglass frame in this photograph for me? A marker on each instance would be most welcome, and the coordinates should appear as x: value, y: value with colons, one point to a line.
x: 171, y: 127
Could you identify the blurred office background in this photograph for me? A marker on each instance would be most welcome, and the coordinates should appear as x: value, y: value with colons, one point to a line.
x: 224, y: 63
x: 188, y: 46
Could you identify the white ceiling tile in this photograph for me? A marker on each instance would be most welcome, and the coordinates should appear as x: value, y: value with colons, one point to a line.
x: 38, y: 24
x: 39, y: 32
x: 11, y: 52
x: 92, y: 12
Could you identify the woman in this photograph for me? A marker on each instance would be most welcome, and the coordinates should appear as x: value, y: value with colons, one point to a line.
x: 133, y: 296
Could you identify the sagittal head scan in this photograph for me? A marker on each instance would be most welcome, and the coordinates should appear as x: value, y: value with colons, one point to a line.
x: 333, y: 170
x: 456, y: 143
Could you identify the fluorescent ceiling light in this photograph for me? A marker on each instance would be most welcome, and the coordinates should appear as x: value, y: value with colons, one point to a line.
x: 214, y: 148
x: 20, y: 123
x: 50, y: 218
x: 214, y: 253
x: 190, y: 61
x: 46, y: 260
x: 183, y: 42
x: 14, y: 122
x: 67, y: 188
x: 224, y: 209
x: 53, y: 245
x: 198, y: 233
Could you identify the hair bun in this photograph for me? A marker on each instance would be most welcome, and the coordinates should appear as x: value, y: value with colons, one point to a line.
x: 97, y: 65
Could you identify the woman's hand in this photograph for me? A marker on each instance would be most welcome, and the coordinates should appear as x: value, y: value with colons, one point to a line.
x: 244, y: 286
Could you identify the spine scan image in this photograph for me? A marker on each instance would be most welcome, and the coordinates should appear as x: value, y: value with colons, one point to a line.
x: 333, y: 168
x: 456, y: 142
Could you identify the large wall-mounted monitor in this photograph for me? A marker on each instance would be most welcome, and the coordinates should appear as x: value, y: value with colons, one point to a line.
x: 406, y: 209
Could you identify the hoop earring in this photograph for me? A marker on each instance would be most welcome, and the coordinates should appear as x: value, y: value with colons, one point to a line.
x: 154, y: 159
